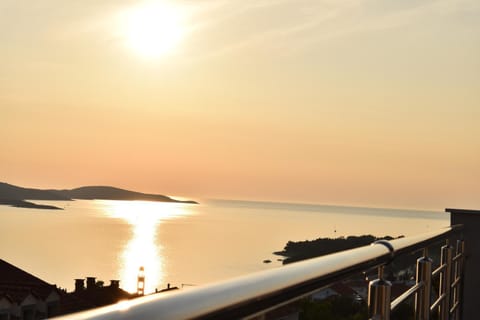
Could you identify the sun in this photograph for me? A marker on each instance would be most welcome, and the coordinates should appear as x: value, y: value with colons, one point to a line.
x: 153, y: 29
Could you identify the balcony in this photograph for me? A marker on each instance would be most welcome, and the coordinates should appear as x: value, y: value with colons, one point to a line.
x: 443, y: 289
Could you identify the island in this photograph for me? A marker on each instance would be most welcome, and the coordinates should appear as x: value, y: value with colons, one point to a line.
x: 27, y: 204
x: 301, y: 250
x: 16, y: 196
x: 401, y: 268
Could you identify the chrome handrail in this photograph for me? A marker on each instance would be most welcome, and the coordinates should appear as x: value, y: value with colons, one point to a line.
x: 404, y: 296
x: 257, y: 293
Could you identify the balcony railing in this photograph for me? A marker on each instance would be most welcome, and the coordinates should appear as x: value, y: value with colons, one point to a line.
x: 254, y: 295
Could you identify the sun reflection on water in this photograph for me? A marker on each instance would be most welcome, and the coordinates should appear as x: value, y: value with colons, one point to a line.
x: 142, y: 250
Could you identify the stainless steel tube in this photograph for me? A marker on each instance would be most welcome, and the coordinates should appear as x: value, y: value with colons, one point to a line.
x: 379, y: 293
x: 422, y: 297
x: 446, y: 281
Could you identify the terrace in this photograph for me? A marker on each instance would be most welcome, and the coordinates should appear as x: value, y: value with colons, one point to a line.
x: 443, y: 289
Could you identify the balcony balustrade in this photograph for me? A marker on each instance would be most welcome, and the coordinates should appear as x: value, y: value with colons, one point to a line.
x: 447, y: 292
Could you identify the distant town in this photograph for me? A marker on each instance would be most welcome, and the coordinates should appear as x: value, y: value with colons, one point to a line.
x: 27, y: 297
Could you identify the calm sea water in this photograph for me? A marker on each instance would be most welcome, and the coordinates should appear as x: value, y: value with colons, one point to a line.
x: 180, y: 244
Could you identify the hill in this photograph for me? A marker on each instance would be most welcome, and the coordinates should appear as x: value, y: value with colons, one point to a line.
x: 11, y: 192
x: 15, y: 195
x: 301, y: 250
x: 112, y: 193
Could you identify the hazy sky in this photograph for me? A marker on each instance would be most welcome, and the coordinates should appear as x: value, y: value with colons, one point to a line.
x: 326, y: 101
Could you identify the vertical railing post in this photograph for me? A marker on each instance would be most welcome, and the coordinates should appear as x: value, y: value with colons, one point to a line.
x: 379, y: 292
x: 424, y: 277
x: 458, y: 274
x: 445, y: 281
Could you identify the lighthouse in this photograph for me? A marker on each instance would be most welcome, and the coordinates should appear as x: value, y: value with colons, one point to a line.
x: 141, y: 282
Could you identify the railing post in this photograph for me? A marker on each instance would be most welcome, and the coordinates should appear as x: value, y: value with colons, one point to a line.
x: 379, y: 292
x: 446, y: 281
x: 422, y: 297
x: 457, y: 289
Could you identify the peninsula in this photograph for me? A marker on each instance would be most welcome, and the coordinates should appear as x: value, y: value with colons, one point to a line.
x: 301, y: 250
x: 16, y: 196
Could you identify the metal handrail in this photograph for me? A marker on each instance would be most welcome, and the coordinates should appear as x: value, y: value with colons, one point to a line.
x: 456, y: 282
x: 455, y: 306
x: 260, y: 292
x: 404, y: 296
x: 437, y: 271
x: 437, y: 302
x: 457, y: 257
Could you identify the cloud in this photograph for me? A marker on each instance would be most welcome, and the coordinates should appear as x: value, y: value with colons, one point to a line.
x: 298, y: 25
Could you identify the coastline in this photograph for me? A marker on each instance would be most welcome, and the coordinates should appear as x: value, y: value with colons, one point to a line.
x: 16, y: 196
x: 27, y: 204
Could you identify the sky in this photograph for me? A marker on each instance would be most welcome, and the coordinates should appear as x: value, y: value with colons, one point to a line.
x: 365, y: 102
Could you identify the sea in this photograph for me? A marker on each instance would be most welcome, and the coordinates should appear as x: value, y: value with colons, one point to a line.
x: 183, y: 245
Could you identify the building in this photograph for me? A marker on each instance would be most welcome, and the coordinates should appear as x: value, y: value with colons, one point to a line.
x: 24, y: 296
x: 95, y: 294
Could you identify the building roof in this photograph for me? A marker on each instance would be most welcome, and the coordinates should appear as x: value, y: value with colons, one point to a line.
x: 6, y: 296
x: 18, y: 284
x: 92, y: 298
x: 13, y: 274
x: 357, y: 283
x: 342, y: 289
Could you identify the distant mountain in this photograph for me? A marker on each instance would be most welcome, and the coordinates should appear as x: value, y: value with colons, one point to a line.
x: 11, y: 192
x: 14, y: 195
x: 112, y: 193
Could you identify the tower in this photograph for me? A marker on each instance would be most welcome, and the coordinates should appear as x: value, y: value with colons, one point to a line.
x: 141, y: 282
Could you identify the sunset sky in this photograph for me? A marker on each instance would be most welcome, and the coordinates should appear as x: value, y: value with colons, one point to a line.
x: 362, y: 102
